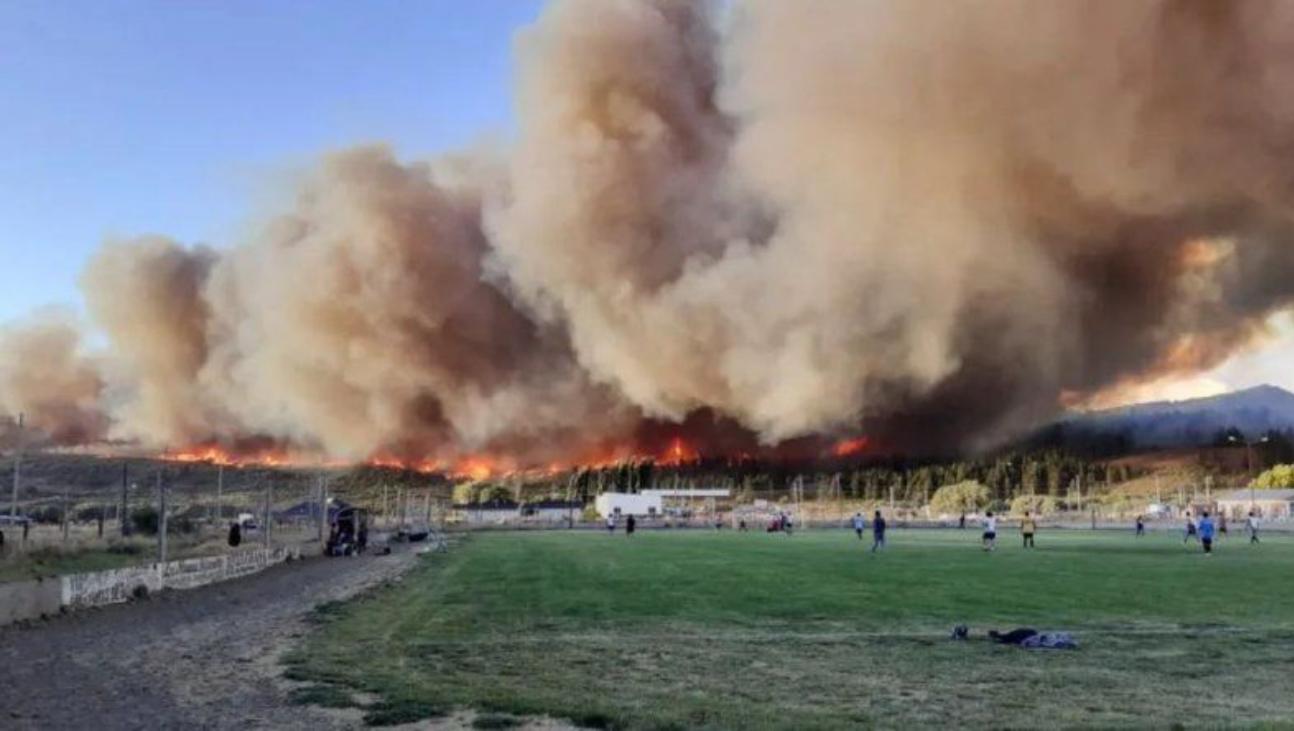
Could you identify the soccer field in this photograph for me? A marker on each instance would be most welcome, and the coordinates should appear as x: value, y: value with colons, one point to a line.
x: 692, y: 629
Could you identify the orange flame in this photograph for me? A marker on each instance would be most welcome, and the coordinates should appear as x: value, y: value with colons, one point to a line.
x: 850, y: 447
x: 216, y: 454
x: 679, y: 452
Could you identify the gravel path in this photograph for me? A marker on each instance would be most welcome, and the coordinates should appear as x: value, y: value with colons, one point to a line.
x: 205, y: 658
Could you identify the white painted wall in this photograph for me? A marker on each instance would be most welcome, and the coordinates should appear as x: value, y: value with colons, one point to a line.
x: 612, y: 503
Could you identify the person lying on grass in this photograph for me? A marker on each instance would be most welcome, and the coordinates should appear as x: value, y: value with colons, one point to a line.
x: 1032, y: 638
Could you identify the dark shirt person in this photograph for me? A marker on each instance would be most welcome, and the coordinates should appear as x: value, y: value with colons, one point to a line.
x: 878, y: 532
x: 235, y: 535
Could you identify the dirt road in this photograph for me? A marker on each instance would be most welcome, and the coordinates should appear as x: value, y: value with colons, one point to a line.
x: 200, y: 659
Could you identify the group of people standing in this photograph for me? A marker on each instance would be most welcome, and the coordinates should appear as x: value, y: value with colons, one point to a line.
x: 1028, y: 527
x: 878, y: 529
x: 631, y: 524
x: 1205, y: 530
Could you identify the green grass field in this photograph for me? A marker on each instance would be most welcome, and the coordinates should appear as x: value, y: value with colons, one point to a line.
x: 46, y: 563
x: 704, y: 630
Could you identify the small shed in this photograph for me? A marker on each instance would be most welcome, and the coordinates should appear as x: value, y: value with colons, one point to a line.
x: 1269, y: 504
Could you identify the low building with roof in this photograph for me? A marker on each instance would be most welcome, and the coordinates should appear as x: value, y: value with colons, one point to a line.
x: 1268, y: 504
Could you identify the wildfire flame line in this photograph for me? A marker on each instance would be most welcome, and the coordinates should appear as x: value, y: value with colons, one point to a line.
x: 473, y: 467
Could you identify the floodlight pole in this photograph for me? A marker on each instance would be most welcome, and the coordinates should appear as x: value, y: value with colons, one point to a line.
x: 1249, y: 463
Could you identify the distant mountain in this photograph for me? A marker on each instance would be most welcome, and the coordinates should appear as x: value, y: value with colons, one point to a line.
x: 1190, y: 423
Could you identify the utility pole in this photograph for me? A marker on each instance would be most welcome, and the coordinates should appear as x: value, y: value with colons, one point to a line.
x: 265, y: 527
x: 323, y: 508
x: 161, y: 518
x: 65, y: 516
x: 220, y: 492
x: 123, y: 517
x: 17, y: 478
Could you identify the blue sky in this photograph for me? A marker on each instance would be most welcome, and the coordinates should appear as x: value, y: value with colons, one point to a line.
x: 125, y: 117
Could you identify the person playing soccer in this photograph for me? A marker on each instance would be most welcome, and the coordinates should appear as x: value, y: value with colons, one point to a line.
x: 1206, y: 533
x: 859, y: 525
x: 1251, y: 525
x: 1141, y: 526
x: 1027, y: 528
x: 878, y: 532
x: 990, y: 531
x: 630, y: 524
x: 1190, y: 529
x: 611, y: 523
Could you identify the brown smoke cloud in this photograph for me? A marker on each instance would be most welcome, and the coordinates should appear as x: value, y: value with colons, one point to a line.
x: 928, y: 221
x: 46, y: 376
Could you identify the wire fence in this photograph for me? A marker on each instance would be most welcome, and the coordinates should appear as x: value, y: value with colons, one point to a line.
x: 66, y: 513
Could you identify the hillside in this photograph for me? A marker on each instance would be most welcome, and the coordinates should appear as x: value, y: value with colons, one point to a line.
x: 1168, y: 424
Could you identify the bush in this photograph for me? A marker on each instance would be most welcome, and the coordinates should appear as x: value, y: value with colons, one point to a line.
x: 48, y: 514
x: 963, y: 497
x: 144, y: 520
x: 89, y: 515
x: 125, y: 549
x: 1036, y: 504
x: 1279, y: 476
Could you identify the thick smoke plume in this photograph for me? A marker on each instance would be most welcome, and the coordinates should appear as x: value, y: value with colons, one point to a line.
x: 932, y: 222
x: 46, y: 376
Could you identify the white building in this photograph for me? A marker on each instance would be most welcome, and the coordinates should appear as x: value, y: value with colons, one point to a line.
x: 699, y: 493
x: 623, y: 504
x: 1268, y: 504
